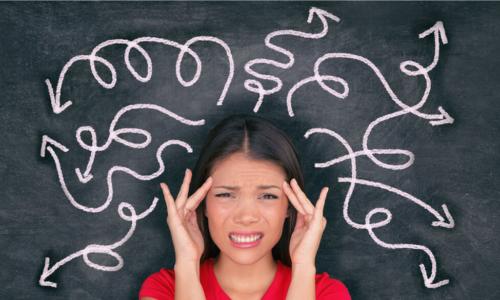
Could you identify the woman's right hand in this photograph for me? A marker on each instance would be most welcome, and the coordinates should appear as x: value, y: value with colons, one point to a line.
x: 181, y: 220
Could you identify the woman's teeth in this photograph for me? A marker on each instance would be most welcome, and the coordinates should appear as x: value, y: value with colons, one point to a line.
x: 245, y: 239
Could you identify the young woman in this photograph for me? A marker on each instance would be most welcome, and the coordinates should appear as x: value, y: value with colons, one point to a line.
x: 256, y: 234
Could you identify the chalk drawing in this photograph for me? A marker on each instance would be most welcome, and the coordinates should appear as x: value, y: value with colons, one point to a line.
x: 55, y: 98
x: 111, y: 171
x: 115, y: 134
x: 443, y: 219
x: 99, y: 249
x: 339, y: 89
x: 119, y: 135
x: 428, y: 280
x: 256, y: 86
x: 445, y: 222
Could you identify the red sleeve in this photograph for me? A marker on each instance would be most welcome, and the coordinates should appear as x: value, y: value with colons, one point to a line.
x: 159, y: 285
x: 330, y: 289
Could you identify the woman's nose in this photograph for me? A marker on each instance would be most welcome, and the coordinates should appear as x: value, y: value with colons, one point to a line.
x: 246, y: 212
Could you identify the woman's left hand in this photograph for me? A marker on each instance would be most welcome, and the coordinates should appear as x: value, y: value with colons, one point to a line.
x: 310, y: 224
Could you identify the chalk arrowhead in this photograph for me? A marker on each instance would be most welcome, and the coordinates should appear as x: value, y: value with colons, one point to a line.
x: 429, y: 281
x: 84, y: 178
x: 445, y: 118
x: 322, y: 14
x: 46, y: 273
x: 447, y: 221
x: 47, y: 141
x: 437, y: 29
x: 55, y: 100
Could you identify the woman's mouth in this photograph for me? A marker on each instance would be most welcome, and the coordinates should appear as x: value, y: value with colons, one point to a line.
x: 245, y: 240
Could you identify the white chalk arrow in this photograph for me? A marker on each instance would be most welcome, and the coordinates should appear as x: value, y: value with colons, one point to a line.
x: 55, y: 96
x: 445, y: 119
x: 96, y: 248
x: 439, y: 37
x: 429, y: 280
x: 408, y: 109
x: 85, y: 177
x: 256, y: 86
x: 47, y: 142
x: 447, y: 221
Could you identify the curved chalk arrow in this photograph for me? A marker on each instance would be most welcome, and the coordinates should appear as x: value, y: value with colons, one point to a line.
x: 446, y: 222
x: 443, y: 117
x: 55, y: 97
x: 110, y: 175
x: 99, y: 249
x: 256, y: 86
x: 47, y: 142
x: 428, y: 280
x: 439, y: 37
x: 115, y: 134
x: 368, y: 225
x: 435, y: 119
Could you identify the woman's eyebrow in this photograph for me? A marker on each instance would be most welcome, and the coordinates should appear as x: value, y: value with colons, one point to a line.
x: 260, y: 187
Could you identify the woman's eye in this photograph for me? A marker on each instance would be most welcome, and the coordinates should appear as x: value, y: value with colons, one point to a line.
x: 223, y: 195
x: 270, y: 196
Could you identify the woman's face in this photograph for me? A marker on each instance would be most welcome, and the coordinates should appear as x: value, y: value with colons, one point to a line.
x: 246, y: 197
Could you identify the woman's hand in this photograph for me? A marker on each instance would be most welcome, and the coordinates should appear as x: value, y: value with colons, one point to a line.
x: 181, y: 220
x: 309, y: 227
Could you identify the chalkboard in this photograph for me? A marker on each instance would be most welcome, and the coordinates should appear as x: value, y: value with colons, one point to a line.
x: 392, y: 105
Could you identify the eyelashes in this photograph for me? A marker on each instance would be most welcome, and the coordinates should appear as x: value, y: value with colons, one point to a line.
x: 222, y: 195
x: 271, y: 196
x: 265, y: 196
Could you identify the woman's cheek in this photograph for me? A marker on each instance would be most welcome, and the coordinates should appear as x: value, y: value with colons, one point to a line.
x: 218, y: 209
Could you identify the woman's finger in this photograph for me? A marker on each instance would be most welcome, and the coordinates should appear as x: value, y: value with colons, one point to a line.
x: 169, y: 200
x: 195, y: 199
x: 320, y: 204
x: 184, y: 190
x: 293, y: 199
x: 309, y: 208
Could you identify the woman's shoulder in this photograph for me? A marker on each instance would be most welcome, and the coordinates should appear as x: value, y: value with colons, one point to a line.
x: 159, y: 285
x: 330, y: 288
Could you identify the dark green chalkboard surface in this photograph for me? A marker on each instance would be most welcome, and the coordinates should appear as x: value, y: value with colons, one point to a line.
x: 394, y: 106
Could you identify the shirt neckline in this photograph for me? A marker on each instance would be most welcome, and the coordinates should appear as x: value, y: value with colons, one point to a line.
x: 275, y: 281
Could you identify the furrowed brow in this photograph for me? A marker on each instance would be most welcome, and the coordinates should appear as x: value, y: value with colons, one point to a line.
x: 226, y: 187
x: 265, y: 187
x: 260, y: 187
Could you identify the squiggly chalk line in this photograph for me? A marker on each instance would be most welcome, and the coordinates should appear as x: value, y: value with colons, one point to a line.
x: 55, y: 98
x: 114, y: 134
x: 111, y: 171
x: 99, y: 249
x: 353, y: 180
x: 438, y: 119
x: 256, y: 86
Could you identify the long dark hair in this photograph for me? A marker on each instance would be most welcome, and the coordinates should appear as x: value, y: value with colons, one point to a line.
x: 259, y: 139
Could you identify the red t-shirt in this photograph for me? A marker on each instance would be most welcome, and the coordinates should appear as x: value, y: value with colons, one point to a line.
x: 161, y: 285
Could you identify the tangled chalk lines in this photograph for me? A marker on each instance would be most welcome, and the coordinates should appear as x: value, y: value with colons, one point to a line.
x: 255, y: 85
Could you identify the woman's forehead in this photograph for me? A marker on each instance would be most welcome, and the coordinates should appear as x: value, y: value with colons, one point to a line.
x: 238, y: 168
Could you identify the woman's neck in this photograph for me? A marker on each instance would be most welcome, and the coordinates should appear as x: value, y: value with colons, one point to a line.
x: 245, y: 279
